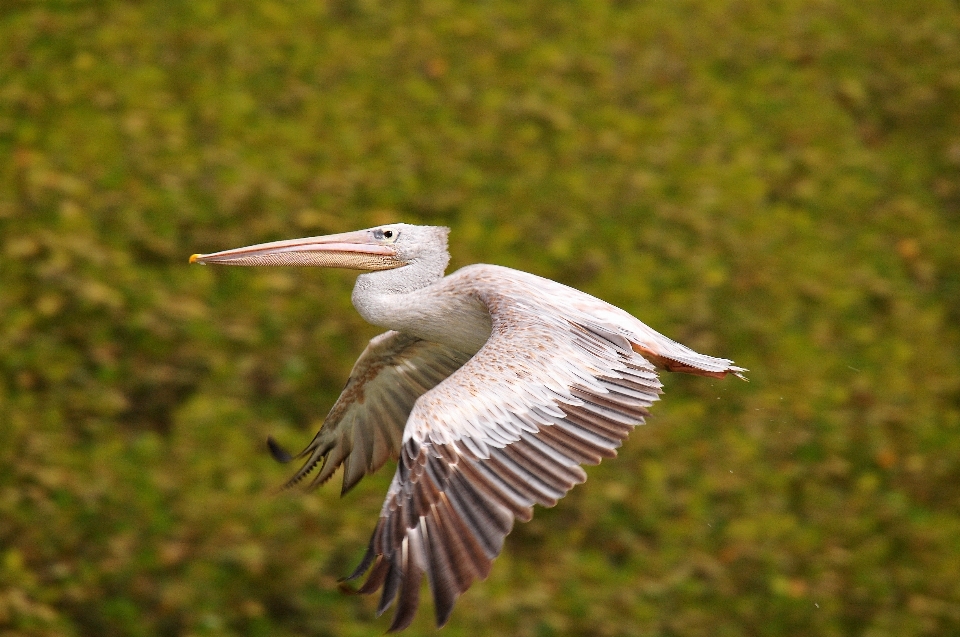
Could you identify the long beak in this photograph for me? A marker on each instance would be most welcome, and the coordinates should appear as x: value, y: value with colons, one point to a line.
x: 352, y: 250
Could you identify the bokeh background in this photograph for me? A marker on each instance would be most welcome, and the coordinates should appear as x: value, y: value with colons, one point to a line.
x: 773, y: 182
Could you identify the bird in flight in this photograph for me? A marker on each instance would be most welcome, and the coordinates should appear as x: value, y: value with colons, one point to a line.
x: 491, y: 388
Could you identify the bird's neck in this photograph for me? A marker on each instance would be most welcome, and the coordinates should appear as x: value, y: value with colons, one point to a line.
x: 411, y: 299
x: 375, y: 293
x: 415, y: 275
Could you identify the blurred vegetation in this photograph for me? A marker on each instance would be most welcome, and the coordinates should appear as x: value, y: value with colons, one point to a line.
x: 775, y: 182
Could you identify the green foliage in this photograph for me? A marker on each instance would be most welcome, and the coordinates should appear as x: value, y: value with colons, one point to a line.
x: 772, y: 182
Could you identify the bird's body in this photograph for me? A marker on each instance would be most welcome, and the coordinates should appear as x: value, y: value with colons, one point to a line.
x: 492, y: 387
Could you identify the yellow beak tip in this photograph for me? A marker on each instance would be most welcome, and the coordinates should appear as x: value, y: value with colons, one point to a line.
x: 194, y: 257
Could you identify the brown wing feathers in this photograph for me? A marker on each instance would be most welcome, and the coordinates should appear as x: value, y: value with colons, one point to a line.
x: 450, y: 506
x: 365, y: 425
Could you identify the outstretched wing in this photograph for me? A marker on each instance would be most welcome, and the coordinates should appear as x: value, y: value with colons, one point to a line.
x: 364, y: 427
x: 547, y: 392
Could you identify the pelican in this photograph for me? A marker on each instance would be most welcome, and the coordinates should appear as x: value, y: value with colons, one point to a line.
x: 491, y: 388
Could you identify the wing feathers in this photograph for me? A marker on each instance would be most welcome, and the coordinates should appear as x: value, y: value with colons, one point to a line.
x: 465, y: 543
x: 527, y: 453
x: 552, y: 453
x: 377, y: 577
x: 535, y: 488
x: 391, y: 585
x: 577, y: 449
x: 550, y: 390
x: 480, y: 478
x: 412, y: 574
x: 441, y: 569
x: 365, y: 426
x: 486, y: 521
x: 451, y: 505
x: 588, y: 421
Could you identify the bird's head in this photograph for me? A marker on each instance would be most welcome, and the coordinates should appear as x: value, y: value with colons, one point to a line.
x: 380, y: 248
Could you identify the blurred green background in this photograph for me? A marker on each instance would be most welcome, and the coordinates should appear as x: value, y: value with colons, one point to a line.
x: 773, y: 182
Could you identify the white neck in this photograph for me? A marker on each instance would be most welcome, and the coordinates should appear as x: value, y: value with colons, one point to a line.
x: 412, y: 299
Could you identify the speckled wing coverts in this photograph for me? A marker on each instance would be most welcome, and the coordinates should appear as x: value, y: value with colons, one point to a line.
x: 550, y: 390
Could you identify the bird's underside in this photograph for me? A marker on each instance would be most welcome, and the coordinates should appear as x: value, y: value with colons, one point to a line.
x: 562, y: 379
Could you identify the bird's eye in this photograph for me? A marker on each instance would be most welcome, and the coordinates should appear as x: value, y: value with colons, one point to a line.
x: 388, y: 235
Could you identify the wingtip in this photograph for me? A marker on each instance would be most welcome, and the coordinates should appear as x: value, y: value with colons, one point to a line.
x: 279, y: 453
x: 738, y: 372
x: 402, y: 619
x: 346, y: 587
x: 443, y: 613
x: 365, y: 562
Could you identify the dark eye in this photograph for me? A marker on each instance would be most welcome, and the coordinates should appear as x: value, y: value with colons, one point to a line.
x: 385, y: 234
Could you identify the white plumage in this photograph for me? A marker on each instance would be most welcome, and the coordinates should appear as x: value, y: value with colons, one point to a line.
x: 492, y: 387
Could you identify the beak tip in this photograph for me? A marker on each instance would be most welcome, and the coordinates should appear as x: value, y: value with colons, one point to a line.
x: 194, y: 257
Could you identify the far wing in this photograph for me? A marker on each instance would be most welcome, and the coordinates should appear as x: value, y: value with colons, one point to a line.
x: 507, y: 430
x: 364, y: 427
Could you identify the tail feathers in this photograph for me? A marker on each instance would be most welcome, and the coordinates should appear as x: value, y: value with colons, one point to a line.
x: 690, y: 362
